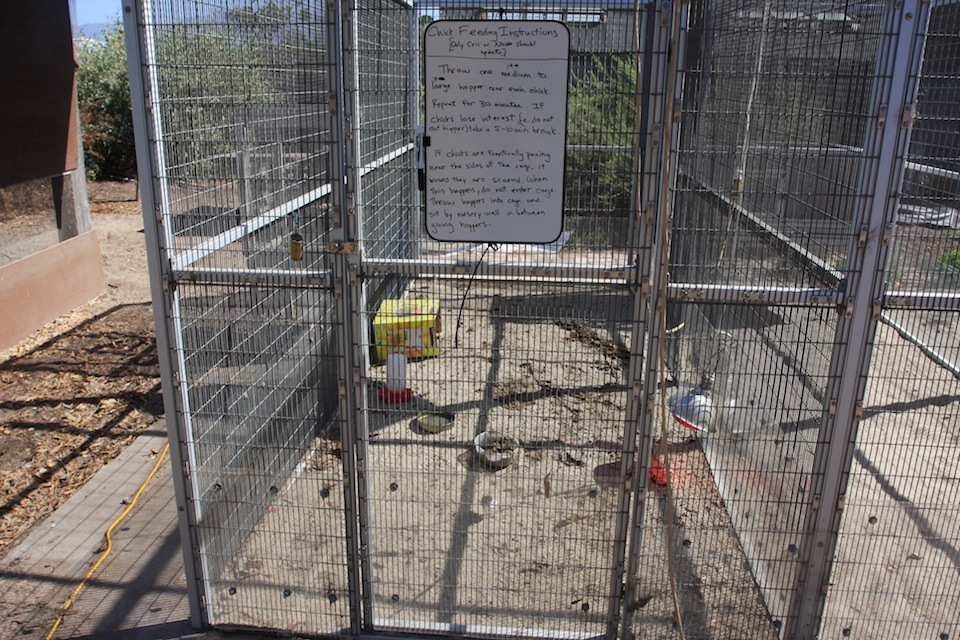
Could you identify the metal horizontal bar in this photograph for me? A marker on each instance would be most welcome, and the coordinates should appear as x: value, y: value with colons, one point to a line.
x: 779, y: 296
x: 933, y: 171
x: 922, y: 301
x: 920, y: 344
x: 446, y: 628
x: 598, y: 147
x: 382, y: 160
x: 776, y: 149
x: 822, y: 152
x: 551, y: 7
x: 236, y: 233
x: 498, y: 271
x: 276, y: 277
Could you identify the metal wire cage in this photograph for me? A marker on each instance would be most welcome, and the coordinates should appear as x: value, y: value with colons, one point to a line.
x: 704, y: 408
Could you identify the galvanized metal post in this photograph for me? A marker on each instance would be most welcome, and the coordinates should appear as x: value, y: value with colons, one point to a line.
x: 661, y: 89
x: 413, y: 91
x: 137, y: 15
x: 881, y: 172
x: 344, y: 232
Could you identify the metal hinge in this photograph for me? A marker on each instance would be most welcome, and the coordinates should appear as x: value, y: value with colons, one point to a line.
x: 754, y: 296
x: 887, y: 236
x: 882, y: 116
x: 908, y: 116
x: 657, y: 128
x: 877, y: 308
x: 862, y: 237
x: 169, y: 281
x: 736, y: 187
x: 342, y: 247
x: 858, y: 411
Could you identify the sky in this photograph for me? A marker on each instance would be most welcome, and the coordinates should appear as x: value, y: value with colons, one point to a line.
x: 94, y: 11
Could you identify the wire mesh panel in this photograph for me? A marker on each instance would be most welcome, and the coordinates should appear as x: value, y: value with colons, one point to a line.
x: 244, y: 133
x: 620, y: 432
x: 897, y: 565
x: 259, y: 389
x: 896, y: 572
x: 776, y: 104
x: 239, y: 149
x: 775, y: 112
x: 492, y: 498
x: 493, y: 494
x: 387, y: 136
x: 926, y: 257
x: 927, y: 218
x: 774, y: 173
x: 745, y: 395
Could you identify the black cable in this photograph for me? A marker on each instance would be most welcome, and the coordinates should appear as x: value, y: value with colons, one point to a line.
x: 456, y: 333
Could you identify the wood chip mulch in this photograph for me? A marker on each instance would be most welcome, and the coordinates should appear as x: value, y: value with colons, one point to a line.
x: 67, y: 407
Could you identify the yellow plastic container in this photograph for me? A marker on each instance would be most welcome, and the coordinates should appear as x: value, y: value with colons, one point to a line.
x: 410, y: 327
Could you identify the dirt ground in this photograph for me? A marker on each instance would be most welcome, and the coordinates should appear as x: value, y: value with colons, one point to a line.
x: 77, y: 391
x: 456, y: 546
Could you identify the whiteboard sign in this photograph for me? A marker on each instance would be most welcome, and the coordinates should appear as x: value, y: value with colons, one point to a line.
x: 495, y: 134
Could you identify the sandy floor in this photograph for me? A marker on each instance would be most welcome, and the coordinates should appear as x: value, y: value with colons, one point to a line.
x: 529, y: 549
x: 454, y: 546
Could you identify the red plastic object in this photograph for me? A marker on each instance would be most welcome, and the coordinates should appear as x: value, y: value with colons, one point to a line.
x: 687, y: 424
x: 658, y: 473
x: 404, y: 395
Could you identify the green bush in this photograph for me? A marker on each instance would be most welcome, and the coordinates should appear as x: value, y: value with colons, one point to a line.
x: 103, y: 93
x: 602, y: 114
x: 951, y: 259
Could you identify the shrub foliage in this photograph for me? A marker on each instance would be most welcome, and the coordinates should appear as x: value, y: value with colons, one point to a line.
x: 103, y: 92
